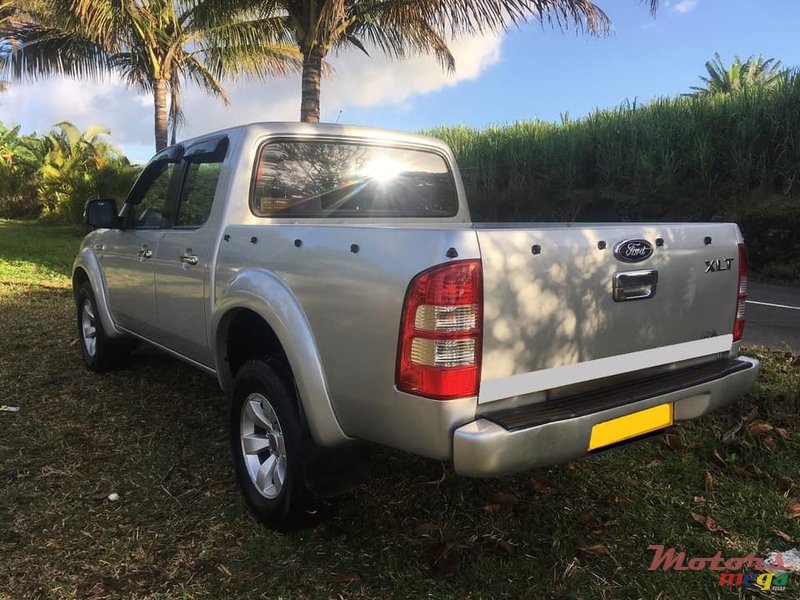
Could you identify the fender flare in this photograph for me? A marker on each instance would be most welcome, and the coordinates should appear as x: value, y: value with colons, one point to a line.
x: 266, y: 294
x: 88, y: 263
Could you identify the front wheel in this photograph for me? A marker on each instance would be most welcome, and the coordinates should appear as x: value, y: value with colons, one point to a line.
x: 267, y: 443
x: 100, y: 352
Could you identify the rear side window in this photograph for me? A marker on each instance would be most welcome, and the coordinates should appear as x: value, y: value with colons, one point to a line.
x: 198, y: 192
x: 203, y: 167
x: 338, y: 179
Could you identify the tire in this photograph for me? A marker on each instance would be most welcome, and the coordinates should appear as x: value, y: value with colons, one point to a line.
x: 269, y: 445
x: 100, y: 352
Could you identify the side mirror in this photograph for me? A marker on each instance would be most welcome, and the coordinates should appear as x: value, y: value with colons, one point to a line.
x: 101, y: 214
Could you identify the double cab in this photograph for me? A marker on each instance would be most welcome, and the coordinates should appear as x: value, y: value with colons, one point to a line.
x: 330, y: 278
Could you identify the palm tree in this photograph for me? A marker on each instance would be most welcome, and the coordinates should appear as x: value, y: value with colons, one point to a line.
x: 755, y: 71
x: 399, y: 28
x: 156, y: 46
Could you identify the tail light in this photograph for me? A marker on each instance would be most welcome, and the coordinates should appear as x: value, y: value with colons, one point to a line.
x: 741, y: 298
x: 441, y: 332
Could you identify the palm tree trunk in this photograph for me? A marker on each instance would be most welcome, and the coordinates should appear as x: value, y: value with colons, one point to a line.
x: 160, y: 95
x: 312, y: 73
x: 173, y: 122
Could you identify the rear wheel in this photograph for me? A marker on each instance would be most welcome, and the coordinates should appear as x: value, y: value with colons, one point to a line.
x: 100, y: 352
x: 268, y: 446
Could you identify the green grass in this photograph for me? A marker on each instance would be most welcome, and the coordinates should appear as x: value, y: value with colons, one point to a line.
x: 155, y: 434
x: 32, y: 252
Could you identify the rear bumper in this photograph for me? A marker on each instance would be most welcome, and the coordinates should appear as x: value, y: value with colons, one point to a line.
x: 485, y: 448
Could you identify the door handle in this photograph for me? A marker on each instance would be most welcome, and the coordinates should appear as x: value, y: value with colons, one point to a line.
x: 189, y: 259
x: 634, y: 285
x: 145, y: 252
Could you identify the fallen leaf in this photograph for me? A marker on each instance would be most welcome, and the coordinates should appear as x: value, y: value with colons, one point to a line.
x: 343, y: 578
x: 75, y: 341
x: 444, y: 561
x: 698, y: 500
x: 769, y: 443
x: 706, y: 523
x: 673, y: 441
x: 505, y: 499
x: 598, y: 549
x: 493, y: 508
x: 782, y: 534
x: 793, y: 510
x: 786, y: 484
x: 540, y: 485
x: 708, y: 481
x: 425, y: 529
x: 782, y: 432
x: 759, y: 427
x: 718, y: 459
x: 749, y: 471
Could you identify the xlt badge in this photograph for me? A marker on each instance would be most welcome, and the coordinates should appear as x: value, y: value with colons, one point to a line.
x: 719, y: 264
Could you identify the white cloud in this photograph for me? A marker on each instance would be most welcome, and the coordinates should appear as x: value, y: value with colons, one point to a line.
x: 38, y: 106
x: 359, y: 81
x: 685, y: 6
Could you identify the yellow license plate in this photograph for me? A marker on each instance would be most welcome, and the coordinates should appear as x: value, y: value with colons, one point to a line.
x: 630, y: 426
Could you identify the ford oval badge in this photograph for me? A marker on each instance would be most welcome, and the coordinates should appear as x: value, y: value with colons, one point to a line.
x: 633, y: 251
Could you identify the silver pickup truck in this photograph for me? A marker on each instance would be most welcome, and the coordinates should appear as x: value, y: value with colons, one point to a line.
x: 331, y: 280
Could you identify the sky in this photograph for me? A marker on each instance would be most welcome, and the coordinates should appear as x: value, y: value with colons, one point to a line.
x: 530, y: 72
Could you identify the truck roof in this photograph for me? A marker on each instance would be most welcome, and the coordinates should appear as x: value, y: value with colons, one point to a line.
x: 294, y: 128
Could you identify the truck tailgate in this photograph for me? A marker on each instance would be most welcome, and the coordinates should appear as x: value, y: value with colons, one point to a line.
x: 550, y: 313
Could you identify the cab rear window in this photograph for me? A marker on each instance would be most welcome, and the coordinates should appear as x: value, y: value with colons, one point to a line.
x: 336, y: 179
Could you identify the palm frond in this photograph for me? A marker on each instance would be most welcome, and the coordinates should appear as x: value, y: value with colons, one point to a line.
x: 93, y: 133
x: 401, y: 38
x: 39, y: 52
x: 479, y: 16
x: 252, y: 61
x: 755, y: 71
x: 195, y: 71
x: 70, y: 132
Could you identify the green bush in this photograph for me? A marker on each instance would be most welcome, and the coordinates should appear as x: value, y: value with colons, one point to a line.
x: 53, y: 176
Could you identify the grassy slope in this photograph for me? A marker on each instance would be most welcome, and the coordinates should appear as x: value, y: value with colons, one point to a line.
x: 155, y: 434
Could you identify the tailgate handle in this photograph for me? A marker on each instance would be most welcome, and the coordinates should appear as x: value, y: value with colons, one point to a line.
x: 634, y: 285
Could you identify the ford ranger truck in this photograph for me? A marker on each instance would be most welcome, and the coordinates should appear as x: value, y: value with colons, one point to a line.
x: 330, y: 278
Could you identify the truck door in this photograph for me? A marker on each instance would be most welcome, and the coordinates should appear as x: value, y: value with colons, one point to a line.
x: 127, y: 253
x: 184, y: 255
